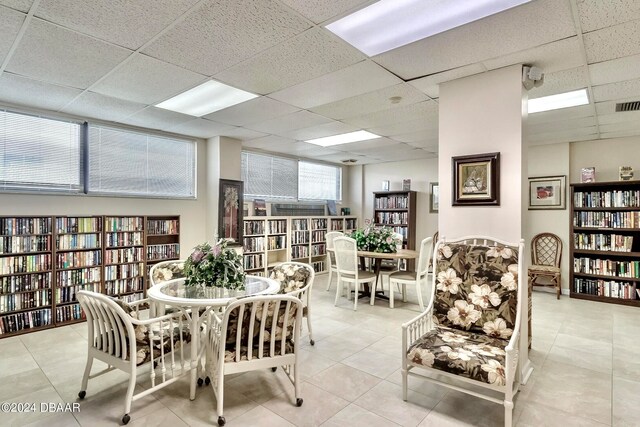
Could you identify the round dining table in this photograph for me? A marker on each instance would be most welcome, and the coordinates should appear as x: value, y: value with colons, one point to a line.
x: 191, y: 300
x: 377, y: 257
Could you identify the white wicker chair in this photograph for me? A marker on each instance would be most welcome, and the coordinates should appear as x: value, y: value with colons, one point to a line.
x: 346, y: 252
x: 166, y: 270
x: 467, y: 341
x: 331, y: 257
x: 115, y: 336
x: 404, y: 278
x: 249, y: 336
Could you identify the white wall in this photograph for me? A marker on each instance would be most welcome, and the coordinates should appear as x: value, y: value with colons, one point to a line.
x: 607, y: 155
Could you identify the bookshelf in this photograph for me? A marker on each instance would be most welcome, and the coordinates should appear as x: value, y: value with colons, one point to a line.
x: 26, y: 273
x: 605, y: 251
x: 124, y: 257
x: 162, y: 240
x: 397, y: 210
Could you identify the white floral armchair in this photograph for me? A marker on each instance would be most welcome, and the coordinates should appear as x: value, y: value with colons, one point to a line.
x: 470, y: 331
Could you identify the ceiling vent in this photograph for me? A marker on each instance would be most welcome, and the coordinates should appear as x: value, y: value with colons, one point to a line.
x: 627, y: 106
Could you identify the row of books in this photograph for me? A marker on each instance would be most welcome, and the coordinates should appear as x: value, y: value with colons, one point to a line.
x: 25, y: 264
x: 318, y: 236
x: 277, y: 226
x: 254, y: 244
x: 606, y: 288
x: 319, y: 249
x: 165, y: 251
x: 299, y: 252
x: 68, y: 294
x: 78, y: 225
x: 131, y: 223
x: 392, y: 218
x: 336, y: 225
x: 78, y: 241
x: 253, y: 261
x: 15, y: 226
x: 607, y: 199
x: 392, y: 202
x: 123, y: 239
x: 131, y: 297
x: 22, y: 244
x: 26, y: 320
x: 114, y: 272
x: 117, y: 256
x: 318, y: 266
x: 26, y: 282
x: 299, y: 237
x: 602, y: 242
x: 607, y: 267
x: 606, y: 219
x: 276, y: 242
x: 162, y: 226
x: 299, y: 224
x: 78, y: 259
x: 77, y: 277
x: 404, y: 231
x: 124, y: 285
x: 26, y: 300
x: 319, y: 224
x: 253, y: 227
x: 69, y: 312
x: 350, y: 224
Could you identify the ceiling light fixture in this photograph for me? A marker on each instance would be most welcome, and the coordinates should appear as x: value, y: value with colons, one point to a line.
x: 345, y: 138
x: 388, y: 24
x: 561, y: 100
x: 206, y: 98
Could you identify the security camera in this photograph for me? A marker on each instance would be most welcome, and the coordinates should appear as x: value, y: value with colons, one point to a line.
x: 532, y: 76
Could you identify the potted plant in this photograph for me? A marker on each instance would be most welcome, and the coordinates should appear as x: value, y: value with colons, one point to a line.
x: 376, y: 239
x: 215, y: 266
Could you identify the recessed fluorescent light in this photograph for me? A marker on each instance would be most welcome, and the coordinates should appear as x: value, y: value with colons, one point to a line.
x: 345, y: 138
x: 388, y: 24
x: 206, y: 98
x: 561, y: 100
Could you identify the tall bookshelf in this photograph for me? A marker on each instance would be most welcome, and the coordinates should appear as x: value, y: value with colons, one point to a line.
x: 78, y: 263
x: 277, y: 241
x: 254, y: 246
x: 162, y: 239
x: 397, y: 210
x: 26, y: 274
x: 605, y: 250
x: 124, y: 257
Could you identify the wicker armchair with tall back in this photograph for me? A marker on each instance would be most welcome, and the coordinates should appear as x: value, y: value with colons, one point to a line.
x: 546, y: 253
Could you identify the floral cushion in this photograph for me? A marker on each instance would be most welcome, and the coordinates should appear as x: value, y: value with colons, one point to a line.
x: 233, y: 322
x: 169, y: 271
x: 230, y: 351
x: 476, y: 288
x: 475, y: 356
x: 292, y: 277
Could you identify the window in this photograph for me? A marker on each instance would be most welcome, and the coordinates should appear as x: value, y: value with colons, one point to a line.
x: 39, y: 154
x: 136, y: 164
x: 280, y: 178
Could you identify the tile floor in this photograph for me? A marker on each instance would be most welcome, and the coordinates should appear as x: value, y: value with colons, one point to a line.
x: 586, y: 355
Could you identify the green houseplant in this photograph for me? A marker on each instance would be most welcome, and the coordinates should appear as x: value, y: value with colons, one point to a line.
x: 215, y: 266
x: 376, y: 239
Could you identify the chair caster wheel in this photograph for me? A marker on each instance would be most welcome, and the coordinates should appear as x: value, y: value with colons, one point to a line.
x: 299, y: 402
x: 126, y: 419
x: 312, y: 342
x: 221, y: 421
x: 82, y: 394
x: 274, y: 368
x: 207, y: 381
x: 200, y: 382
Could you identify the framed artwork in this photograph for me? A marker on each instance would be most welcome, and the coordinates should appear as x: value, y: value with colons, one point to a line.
x: 434, y: 197
x: 230, y: 211
x: 547, y: 192
x: 476, y: 180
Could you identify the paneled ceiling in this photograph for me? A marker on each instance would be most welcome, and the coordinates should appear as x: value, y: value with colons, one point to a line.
x: 114, y: 60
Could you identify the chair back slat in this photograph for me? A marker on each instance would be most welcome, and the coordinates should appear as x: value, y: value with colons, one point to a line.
x: 423, y: 257
x: 546, y: 249
x: 345, y: 249
x: 329, y: 238
x: 252, y: 324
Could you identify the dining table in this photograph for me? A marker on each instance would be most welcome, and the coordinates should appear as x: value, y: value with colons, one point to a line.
x: 378, y: 257
x: 194, y: 301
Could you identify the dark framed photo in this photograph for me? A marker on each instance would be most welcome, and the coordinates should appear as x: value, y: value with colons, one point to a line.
x: 230, y: 211
x: 434, y: 197
x: 547, y: 192
x: 476, y: 180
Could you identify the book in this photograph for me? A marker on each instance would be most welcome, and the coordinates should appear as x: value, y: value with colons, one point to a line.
x: 331, y: 207
x: 385, y: 185
x: 626, y: 173
x: 259, y: 207
x: 406, y: 185
x: 588, y: 174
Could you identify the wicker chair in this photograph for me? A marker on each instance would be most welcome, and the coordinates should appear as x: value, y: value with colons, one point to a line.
x: 331, y: 257
x: 546, y: 253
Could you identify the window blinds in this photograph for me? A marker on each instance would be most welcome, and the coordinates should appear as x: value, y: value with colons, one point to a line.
x: 269, y: 177
x: 39, y: 154
x: 136, y: 164
x: 319, y: 182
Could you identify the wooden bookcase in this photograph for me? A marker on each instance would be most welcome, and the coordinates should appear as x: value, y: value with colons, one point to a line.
x: 605, y: 249
x: 124, y: 257
x: 397, y: 210
x: 162, y: 239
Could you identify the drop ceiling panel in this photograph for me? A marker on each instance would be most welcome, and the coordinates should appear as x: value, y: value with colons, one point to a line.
x: 357, y: 79
x: 366, y: 146
x: 298, y: 120
x: 95, y: 105
x: 428, y: 145
x: 561, y: 139
x: 429, y: 84
x: 129, y: 23
x: 222, y: 33
x: 319, y: 131
x: 389, y: 146
x: 561, y: 125
x: 371, y: 102
x: 561, y: 81
x: 19, y: 90
x: 613, y: 91
x: 405, y: 128
x: 597, y: 14
x: 561, y: 115
x: 21, y: 5
x: 320, y: 10
x: 563, y: 135
x: 156, y: 118
x: 252, y: 111
x: 616, y: 70
x: 53, y: 54
x: 619, y: 134
x: 422, y: 135
x: 551, y: 57
x: 620, y: 127
x: 309, y: 150
x: 10, y: 23
x: 627, y: 116
x: 339, y: 157
x: 147, y: 80
x: 613, y: 42
x: 408, y: 113
x: 243, y: 134
x: 268, y: 141
x: 201, y: 128
x: 414, y: 153
x: 609, y: 107
x: 523, y: 27
x: 311, y: 54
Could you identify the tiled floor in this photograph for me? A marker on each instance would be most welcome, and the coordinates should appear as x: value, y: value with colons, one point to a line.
x: 586, y: 355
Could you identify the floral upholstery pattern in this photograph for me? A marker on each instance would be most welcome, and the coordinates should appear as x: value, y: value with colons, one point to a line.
x: 292, y: 277
x: 170, y: 271
x: 478, y: 357
x: 476, y: 289
x: 230, y: 351
x: 233, y: 322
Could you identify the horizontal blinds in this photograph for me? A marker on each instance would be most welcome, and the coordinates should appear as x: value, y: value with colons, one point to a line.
x: 137, y: 164
x: 269, y: 177
x: 39, y: 154
x: 319, y: 182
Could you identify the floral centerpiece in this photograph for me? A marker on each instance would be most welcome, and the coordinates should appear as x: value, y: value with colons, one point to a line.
x: 376, y: 239
x: 215, y: 266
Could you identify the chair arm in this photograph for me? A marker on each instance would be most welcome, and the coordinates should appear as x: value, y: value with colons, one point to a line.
x: 416, y: 327
x: 134, y: 304
x: 171, y: 316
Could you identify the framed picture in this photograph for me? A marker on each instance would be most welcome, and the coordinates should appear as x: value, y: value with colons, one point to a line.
x: 434, y: 197
x: 547, y: 192
x: 476, y: 180
x: 230, y: 211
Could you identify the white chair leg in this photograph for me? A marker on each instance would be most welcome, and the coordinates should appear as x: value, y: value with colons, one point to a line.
x: 508, y: 413
x: 404, y: 293
x: 220, y: 396
x: 405, y: 384
x: 130, y: 390
x: 391, y: 293
x: 338, y: 290
x: 85, y: 377
x: 309, y: 326
x: 419, y: 291
x: 374, y: 287
x: 329, y: 280
x: 356, y: 292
